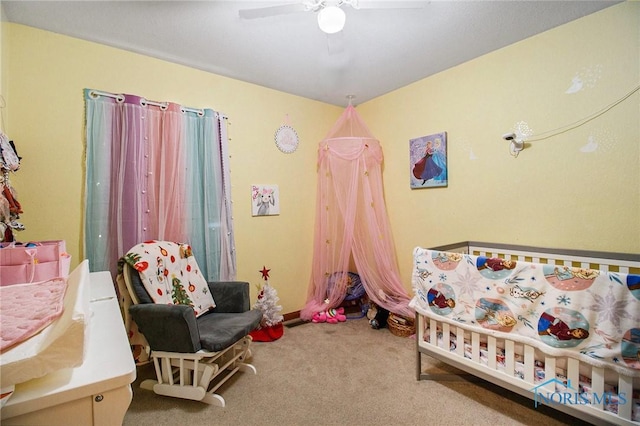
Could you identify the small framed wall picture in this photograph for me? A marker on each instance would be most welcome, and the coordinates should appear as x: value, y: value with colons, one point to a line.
x: 428, y: 161
x: 286, y: 139
x: 265, y: 200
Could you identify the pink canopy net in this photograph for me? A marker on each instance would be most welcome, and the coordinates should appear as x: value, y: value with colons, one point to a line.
x: 352, y: 222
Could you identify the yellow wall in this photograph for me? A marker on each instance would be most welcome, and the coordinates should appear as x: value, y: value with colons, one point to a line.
x: 551, y: 195
x: 47, y: 74
x: 3, y: 97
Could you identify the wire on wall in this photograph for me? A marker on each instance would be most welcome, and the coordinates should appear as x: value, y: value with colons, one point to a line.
x: 576, y: 124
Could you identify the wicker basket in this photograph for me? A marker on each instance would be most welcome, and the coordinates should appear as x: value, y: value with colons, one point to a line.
x: 401, y: 326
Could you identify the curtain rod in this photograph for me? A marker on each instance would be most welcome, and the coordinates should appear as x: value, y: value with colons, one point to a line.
x: 144, y: 102
x: 95, y: 94
x: 163, y: 105
x: 200, y: 112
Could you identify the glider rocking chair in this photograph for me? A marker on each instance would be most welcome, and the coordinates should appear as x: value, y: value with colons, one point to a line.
x: 193, y: 353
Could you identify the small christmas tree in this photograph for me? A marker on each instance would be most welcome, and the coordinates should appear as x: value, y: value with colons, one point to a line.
x: 267, y: 303
x: 270, y: 328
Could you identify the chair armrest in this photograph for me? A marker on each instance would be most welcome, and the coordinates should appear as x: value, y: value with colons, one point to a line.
x: 170, y: 328
x: 230, y: 296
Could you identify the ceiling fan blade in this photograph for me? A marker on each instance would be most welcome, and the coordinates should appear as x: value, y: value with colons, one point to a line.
x: 264, y: 12
x: 373, y: 4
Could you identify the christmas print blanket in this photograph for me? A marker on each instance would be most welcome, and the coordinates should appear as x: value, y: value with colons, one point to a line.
x: 170, y: 274
x: 563, y: 311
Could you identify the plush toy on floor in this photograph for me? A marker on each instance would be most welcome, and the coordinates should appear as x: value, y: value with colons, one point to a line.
x: 319, y: 317
x: 336, y: 315
x: 332, y: 315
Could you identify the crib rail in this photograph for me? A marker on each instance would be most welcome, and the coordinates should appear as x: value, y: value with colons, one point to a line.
x: 514, y: 366
x: 604, y: 261
x: 520, y: 368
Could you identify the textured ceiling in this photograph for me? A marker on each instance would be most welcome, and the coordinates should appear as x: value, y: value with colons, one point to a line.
x: 378, y: 51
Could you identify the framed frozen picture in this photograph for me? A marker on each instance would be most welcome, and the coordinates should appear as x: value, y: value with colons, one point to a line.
x: 428, y: 161
x: 265, y: 200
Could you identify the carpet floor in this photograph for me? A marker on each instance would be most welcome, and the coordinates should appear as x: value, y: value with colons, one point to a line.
x: 342, y: 374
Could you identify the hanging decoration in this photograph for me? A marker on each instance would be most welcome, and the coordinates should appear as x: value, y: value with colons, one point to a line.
x: 352, y: 222
x: 286, y: 137
x: 10, y: 208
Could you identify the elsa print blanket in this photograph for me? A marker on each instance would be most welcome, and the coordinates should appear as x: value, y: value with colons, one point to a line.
x: 563, y: 311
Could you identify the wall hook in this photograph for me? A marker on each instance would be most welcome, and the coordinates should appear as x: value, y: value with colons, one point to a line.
x: 516, y: 145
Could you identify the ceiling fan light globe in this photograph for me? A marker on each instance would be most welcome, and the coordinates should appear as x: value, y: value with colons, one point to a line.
x: 331, y: 19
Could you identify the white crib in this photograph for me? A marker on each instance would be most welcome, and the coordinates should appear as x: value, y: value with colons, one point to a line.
x: 519, y: 367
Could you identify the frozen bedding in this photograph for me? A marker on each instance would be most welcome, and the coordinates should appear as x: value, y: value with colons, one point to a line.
x: 588, y: 314
x: 561, y: 327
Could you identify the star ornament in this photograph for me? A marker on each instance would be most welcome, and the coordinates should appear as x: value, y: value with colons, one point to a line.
x: 265, y: 273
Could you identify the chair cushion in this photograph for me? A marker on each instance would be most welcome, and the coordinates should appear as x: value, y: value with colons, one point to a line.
x: 169, y: 328
x: 220, y: 330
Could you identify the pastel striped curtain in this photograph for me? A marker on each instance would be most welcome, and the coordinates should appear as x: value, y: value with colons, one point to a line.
x: 156, y: 171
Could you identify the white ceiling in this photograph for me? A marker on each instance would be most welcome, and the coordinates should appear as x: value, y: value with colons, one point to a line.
x: 378, y: 51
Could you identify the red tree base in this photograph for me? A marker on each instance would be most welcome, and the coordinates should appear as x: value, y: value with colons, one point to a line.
x: 267, y: 334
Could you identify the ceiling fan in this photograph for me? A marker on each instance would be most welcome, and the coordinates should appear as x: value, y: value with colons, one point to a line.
x: 331, y: 18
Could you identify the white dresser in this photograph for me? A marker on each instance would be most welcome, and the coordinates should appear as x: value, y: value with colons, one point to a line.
x: 96, y: 393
